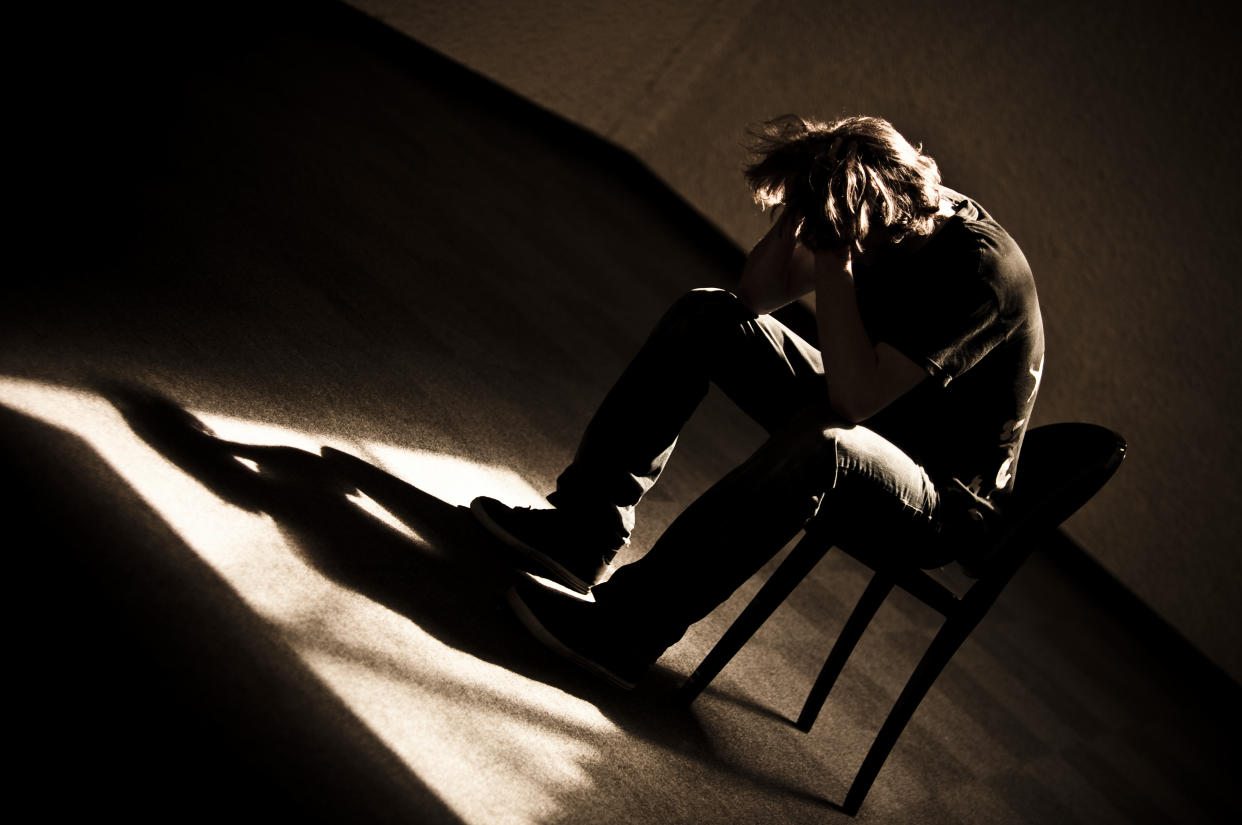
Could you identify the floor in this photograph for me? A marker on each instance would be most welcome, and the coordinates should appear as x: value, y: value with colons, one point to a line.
x: 302, y: 290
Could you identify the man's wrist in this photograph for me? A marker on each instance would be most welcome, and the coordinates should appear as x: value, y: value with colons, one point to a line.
x: 834, y: 265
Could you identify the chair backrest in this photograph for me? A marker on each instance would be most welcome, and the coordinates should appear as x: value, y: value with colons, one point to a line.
x: 1061, y: 467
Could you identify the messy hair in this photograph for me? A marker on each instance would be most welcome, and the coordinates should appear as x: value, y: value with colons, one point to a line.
x: 844, y: 179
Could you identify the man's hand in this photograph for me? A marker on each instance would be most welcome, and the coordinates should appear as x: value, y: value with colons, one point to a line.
x: 778, y: 270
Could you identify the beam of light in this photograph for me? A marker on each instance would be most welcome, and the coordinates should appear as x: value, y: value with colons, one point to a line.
x: 496, y: 746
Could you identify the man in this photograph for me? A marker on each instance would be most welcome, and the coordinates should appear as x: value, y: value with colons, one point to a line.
x: 903, y: 426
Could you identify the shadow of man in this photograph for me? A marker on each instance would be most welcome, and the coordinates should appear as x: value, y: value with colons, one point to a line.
x: 450, y: 581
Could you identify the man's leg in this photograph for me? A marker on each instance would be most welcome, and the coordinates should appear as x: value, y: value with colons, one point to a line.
x: 707, y: 336
x: 855, y: 478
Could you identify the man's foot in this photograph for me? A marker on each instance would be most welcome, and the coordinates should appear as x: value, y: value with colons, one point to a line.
x: 580, y: 631
x: 547, y: 537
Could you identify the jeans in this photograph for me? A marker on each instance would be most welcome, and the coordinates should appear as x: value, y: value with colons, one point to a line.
x: 812, y: 464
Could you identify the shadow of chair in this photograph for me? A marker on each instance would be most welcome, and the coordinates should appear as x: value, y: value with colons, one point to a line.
x: 1063, y: 466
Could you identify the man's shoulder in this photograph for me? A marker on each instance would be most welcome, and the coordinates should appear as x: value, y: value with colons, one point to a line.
x: 963, y: 205
x: 984, y: 248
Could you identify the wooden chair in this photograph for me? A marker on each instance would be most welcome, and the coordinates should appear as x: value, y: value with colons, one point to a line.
x: 1061, y: 468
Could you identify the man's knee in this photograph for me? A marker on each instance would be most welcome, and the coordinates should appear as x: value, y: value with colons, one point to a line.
x: 816, y: 442
x: 828, y: 437
x: 704, y: 308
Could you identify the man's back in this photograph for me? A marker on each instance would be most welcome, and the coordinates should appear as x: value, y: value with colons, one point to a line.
x: 964, y: 307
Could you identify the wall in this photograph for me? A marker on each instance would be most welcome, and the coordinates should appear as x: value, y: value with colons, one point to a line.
x: 1101, y: 135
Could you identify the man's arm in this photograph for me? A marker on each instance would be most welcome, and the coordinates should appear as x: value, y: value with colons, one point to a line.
x: 778, y: 270
x: 863, y: 377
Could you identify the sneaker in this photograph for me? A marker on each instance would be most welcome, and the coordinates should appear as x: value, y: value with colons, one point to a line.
x: 578, y: 630
x: 547, y: 537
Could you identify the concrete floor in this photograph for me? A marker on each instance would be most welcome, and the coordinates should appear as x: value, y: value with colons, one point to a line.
x: 305, y: 289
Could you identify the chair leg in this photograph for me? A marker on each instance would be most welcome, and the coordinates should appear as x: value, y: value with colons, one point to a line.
x: 942, y: 648
x: 802, y: 559
x: 877, y: 590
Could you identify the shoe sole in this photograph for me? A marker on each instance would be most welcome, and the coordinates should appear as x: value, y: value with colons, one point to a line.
x: 563, y: 574
x: 531, y: 622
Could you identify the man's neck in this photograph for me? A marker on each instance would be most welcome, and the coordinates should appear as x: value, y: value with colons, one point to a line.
x: 891, y: 253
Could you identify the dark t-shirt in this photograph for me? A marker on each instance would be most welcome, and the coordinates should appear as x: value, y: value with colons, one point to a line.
x: 964, y: 307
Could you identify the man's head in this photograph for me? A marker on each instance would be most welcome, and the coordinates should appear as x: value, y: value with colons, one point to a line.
x: 854, y: 182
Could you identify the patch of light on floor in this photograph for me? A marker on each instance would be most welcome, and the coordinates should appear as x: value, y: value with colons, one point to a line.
x: 247, y: 463
x: 378, y: 512
x: 496, y: 746
x: 245, y: 431
x: 453, y: 480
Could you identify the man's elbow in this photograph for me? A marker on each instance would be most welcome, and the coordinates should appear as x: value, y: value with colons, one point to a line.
x: 749, y: 299
x: 757, y: 303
